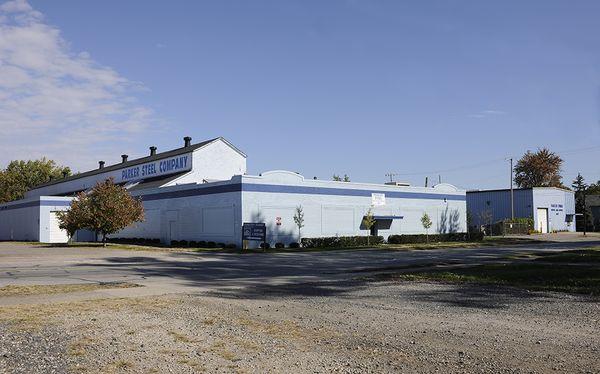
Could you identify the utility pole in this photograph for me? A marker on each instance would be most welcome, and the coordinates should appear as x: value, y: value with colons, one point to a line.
x: 426, y: 181
x: 391, y: 175
x: 584, y: 215
x: 512, y: 193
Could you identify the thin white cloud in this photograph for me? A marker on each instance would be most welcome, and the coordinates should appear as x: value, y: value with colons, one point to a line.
x: 56, y: 102
x: 486, y: 113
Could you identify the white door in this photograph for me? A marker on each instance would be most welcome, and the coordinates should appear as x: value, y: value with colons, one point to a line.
x: 542, y: 220
x: 55, y: 234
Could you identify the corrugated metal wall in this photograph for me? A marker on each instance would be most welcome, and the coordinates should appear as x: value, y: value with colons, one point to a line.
x: 497, y: 203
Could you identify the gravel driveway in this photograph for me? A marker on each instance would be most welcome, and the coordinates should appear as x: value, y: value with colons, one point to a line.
x: 343, y: 326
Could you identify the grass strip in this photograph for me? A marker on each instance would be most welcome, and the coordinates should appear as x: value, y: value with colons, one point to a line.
x: 50, y: 289
x: 533, y: 276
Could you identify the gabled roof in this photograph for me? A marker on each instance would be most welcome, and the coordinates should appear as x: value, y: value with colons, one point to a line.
x: 138, y: 161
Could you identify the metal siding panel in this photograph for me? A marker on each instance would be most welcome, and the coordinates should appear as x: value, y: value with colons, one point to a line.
x: 499, y: 204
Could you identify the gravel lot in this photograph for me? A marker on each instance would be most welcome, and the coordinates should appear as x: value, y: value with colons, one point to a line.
x: 341, y: 326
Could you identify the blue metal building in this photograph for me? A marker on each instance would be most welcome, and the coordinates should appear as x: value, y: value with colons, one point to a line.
x: 552, y: 209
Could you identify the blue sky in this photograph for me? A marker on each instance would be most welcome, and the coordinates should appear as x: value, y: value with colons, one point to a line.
x: 318, y: 87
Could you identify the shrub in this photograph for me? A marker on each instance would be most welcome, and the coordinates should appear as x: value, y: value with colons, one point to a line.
x: 265, y: 245
x: 279, y: 245
x: 211, y: 245
x: 341, y: 241
x: 476, y: 236
x: 294, y: 245
x: 231, y: 246
x: 174, y: 243
x: 155, y: 241
x: 202, y: 243
x: 422, y: 238
x: 183, y: 243
x: 220, y: 245
x: 193, y: 244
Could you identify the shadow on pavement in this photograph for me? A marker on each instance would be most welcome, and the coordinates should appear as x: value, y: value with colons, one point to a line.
x: 325, y: 274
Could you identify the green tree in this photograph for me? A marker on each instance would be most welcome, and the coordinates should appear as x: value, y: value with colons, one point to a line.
x: 593, y: 189
x: 539, y: 169
x: 580, y: 187
x: 426, y: 222
x: 21, y: 176
x: 299, y: 221
x: 368, y: 222
x: 337, y: 178
x: 108, y: 208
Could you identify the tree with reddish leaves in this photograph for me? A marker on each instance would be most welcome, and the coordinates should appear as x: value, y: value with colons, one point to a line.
x: 108, y: 208
x: 77, y: 217
x: 112, y: 209
x: 539, y: 169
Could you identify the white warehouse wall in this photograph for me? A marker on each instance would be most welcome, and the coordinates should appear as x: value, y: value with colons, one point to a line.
x: 337, y: 208
x: 210, y: 212
x: 28, y: 219
x: 214, y: 162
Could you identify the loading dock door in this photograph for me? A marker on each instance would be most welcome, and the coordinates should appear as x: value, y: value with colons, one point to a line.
x: 542, y: 220
x: 55, y: 234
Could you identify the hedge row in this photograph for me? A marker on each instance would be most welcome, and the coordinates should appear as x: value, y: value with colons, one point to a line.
x: 201, y: 244
x: 421, y: 238
x: 341, y: 241
x: 138, y: 241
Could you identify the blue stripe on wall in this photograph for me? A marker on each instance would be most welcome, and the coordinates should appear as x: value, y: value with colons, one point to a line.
x: 247, y: 187
x: 267, y: 188
x: 272, y: 188
x: 35, y: 204
x: 193, y: 192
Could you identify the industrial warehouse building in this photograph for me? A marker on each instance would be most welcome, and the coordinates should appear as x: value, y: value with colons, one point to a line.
x: 552, y: 209
x: 201, y: 192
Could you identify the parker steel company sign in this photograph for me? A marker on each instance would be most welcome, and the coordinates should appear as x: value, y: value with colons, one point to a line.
x: 157, y: 168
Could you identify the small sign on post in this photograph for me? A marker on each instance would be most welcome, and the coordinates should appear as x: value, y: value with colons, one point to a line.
x: 254, y: 231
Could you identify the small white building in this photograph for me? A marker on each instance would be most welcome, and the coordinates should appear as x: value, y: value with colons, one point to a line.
x: 201, y: 192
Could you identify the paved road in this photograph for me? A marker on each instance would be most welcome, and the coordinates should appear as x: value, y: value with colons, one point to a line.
x: 30, y: 264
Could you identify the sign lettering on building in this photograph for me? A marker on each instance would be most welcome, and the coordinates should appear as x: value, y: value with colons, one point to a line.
x: 157, y: 168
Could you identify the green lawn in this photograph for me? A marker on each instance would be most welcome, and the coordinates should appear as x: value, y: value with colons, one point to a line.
x: 575, y: 271
x: 590, y: 255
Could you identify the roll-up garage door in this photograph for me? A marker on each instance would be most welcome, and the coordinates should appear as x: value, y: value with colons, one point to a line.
x: 56, y: 235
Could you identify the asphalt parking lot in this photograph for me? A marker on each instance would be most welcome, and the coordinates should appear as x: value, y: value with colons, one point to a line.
x: 174, y: 272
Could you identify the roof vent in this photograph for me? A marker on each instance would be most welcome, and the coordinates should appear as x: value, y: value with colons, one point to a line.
x: 187, y: 141
x: 124, y: 158
x: 398, y: 184
x: 152, y: 151
x: 100, y: 164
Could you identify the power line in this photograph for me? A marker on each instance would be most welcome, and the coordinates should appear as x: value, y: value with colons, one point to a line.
x: 458, y: 168
x: 488, y: 162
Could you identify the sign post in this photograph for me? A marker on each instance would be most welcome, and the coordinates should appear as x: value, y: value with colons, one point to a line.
x: 254, y: 231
